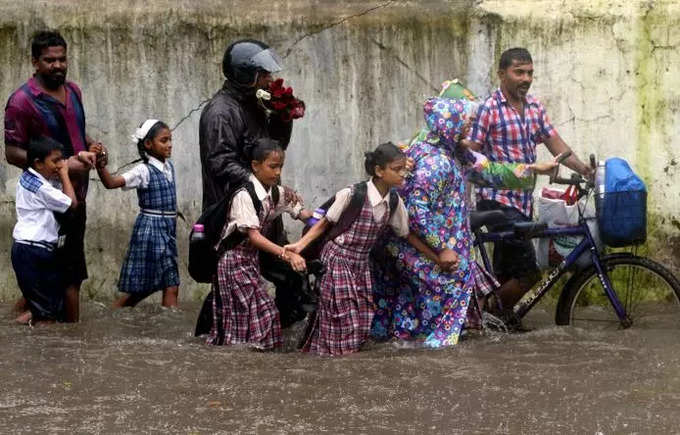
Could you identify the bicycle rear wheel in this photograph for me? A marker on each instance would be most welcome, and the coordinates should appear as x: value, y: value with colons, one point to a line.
x: 648, y: 291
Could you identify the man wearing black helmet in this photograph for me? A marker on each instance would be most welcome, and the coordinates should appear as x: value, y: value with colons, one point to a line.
x: 231, y: 118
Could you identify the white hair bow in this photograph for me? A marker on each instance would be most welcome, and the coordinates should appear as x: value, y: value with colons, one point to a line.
x: 142, y: 131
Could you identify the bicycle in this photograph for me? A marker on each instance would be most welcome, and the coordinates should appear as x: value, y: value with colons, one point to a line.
x: 616, y: 290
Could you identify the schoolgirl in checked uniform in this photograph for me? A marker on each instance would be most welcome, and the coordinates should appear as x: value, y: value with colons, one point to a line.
x: 151, y: 261
x: 243, y: 312
x: 346, y: 307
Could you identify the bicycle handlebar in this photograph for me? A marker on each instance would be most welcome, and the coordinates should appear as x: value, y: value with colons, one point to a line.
x: 574, y: 180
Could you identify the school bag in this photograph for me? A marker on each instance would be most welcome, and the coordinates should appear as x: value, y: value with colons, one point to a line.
x: 348, y: 216
x: 203, y: 256
x: 621, y: 204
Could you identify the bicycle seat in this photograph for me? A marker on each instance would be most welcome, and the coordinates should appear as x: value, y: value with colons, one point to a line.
x: 479, y: 219
x: 528, y: 230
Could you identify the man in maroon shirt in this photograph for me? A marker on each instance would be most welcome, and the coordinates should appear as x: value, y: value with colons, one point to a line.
x: 49, y: 105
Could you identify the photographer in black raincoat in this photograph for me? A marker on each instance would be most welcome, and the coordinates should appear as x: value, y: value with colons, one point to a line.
x: 235, y: 115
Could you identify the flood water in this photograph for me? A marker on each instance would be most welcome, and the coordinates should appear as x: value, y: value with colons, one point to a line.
x: 141, y: 370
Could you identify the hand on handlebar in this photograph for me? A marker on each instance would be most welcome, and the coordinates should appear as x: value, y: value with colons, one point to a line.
x: 588, y: 172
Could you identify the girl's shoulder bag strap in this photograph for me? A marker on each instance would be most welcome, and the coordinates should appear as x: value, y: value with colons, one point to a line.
x: 347, y: 218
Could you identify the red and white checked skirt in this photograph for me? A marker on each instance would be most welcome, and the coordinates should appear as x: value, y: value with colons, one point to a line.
x: 345, y: 311
x: 243, y: 311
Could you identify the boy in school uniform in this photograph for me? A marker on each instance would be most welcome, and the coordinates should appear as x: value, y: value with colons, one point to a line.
x: 43, y: 190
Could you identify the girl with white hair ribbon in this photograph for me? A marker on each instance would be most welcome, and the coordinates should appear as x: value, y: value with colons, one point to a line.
x: 151, y: 261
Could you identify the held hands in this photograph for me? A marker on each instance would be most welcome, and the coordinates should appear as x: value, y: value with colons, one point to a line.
x: 448, y: 260
x: 294, y: 247
x: 95, y: 147
x: 87, y: 158
x: 102, y: 155
x: 295, y: 260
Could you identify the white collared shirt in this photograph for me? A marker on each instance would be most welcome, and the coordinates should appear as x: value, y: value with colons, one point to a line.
x: 380, y: 204
x: 138, y: 177
x: 35, y: 209
x: 243, y: 215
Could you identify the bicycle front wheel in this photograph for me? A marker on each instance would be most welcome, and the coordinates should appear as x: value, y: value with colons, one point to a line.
x: 647, y: 290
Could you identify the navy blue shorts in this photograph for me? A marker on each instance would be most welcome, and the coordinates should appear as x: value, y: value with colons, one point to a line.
x: 40, y: 279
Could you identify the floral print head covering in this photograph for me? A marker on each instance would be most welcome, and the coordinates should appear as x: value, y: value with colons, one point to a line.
x: 445, y: 118
x: 455, y: 90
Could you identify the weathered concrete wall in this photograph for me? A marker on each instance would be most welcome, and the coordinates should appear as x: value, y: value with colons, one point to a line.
x: 605, y: 70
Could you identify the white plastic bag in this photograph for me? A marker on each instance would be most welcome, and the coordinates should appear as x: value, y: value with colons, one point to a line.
x: 558, y: 214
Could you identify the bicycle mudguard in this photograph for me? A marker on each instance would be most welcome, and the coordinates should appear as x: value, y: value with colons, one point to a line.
x: 528, y: 230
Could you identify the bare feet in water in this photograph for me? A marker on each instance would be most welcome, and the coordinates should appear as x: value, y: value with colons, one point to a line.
x: 20, y: 306
x: 24, y: 318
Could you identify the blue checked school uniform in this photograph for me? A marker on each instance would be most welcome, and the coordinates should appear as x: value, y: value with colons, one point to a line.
x: 151, y: 261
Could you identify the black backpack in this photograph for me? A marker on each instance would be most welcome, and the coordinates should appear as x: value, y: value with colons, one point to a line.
x: 203, y: 256
x: 348, y: 216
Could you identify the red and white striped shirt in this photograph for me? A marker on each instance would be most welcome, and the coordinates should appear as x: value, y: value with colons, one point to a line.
x: 508, y: 137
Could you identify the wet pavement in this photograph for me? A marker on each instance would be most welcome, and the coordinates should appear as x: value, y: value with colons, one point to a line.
x: 141, y: 371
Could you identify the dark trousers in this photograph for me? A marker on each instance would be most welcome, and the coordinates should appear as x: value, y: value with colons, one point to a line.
x: 288, y: 282
x: 512, y: 258
x: 72, y: 254
x: 40, y: 279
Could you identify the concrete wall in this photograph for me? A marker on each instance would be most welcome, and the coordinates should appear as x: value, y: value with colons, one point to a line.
x: 605, y: 70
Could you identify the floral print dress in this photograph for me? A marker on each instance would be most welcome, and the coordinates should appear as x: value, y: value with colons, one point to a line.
x: 414, y: 298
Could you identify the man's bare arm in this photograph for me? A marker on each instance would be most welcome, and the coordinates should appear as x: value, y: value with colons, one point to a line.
x: 557, y: 146
x: 16, y: 156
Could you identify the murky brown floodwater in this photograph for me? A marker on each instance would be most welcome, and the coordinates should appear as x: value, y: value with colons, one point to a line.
x: 140, y: 370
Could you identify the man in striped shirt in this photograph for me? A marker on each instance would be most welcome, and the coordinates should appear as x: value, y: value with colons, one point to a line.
x: 508, y: 126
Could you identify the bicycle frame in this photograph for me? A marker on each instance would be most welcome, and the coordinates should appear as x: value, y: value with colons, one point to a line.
x: 587, y: 244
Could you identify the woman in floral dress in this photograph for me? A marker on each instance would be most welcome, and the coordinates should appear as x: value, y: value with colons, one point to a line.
x: 414, y: 298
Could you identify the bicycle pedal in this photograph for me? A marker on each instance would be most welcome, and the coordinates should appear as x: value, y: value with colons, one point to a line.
x: 489, y: 321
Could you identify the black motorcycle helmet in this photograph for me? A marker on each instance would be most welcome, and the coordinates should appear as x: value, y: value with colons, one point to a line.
x: 243, y: 59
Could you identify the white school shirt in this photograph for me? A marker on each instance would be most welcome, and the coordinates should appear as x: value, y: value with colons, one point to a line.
x: 380, y: 204
x: 36, y: 202
x: 138, y: 177
x: 242, y: 214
